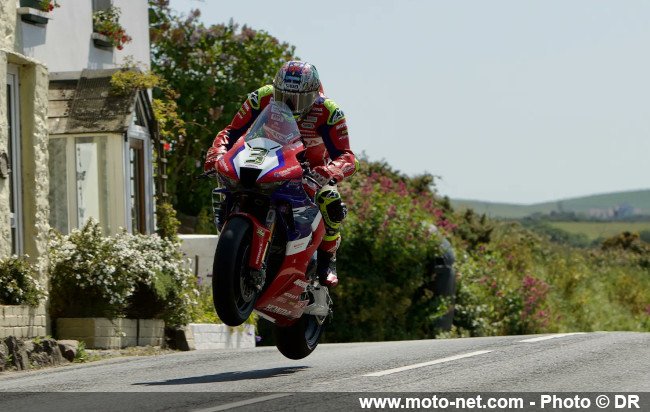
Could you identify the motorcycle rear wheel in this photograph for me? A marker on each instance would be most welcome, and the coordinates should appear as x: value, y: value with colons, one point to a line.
x: 233, y: 299
x: 300, y: 339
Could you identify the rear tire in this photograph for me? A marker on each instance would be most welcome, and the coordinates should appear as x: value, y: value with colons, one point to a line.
x: 300, y: 339
x: 233, y: 299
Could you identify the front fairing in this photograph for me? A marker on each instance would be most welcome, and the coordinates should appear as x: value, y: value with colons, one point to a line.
x: 268, y: 152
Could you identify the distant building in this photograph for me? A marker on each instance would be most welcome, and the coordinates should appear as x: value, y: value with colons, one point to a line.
x: 624, y: 210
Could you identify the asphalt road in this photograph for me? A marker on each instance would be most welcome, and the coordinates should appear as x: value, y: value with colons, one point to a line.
x: 591, y: 362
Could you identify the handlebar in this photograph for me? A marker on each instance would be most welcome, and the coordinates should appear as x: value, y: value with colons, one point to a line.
x: 207, y: 174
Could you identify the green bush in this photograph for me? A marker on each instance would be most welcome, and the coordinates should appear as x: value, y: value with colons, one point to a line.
x: 204, y: 311
x: 626, y: 241
x: 124, y: 275
x: 167, y: 222
x: 510, y: 280
x: 389, y: 244
x: 498, y: 292
x: 17, y: 286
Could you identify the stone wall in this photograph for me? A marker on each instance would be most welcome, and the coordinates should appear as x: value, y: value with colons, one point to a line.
x: 218, y: 336
x: 7, y: 40
x: 22, y: 321
x: 102, y: 333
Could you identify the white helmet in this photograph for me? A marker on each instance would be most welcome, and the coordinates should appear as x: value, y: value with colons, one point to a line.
x: 297, y: 85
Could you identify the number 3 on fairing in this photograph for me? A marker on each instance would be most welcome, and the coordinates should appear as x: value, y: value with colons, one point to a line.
x: 257, y: 155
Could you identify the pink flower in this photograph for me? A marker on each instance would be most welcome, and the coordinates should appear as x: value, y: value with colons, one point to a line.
x: 401, y: 188
x: 391, y: 211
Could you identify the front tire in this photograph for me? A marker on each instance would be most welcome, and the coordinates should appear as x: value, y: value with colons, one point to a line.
x: 234, y: 299
x: 300, y: 339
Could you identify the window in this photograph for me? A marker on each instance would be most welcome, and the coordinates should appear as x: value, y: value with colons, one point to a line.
x: 15, y: 197
x: 84, y: 182
x: 137, y: 204
x: 91, y: 180
x: 101, y: 5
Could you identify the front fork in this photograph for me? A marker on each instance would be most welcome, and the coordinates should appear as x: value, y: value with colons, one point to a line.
x: 261, y: 240
x: 219, y: 208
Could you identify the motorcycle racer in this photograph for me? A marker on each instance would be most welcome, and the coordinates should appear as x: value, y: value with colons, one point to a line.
x: 325, y: 135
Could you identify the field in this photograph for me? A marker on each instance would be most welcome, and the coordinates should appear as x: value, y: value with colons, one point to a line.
x: 596, y: 230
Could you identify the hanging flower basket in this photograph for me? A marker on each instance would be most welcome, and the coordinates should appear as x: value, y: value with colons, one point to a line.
x: 101, y: 41
x: 106, y: 23
x: 36, y: 11
x: 42, y: 5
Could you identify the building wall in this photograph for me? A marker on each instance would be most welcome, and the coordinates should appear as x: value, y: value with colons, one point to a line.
x: 6, y: 42
x: 134, y: 13
x: 7, y: 30
x: 65, y: 43
x: 33, y: 136
x: 33, y: 79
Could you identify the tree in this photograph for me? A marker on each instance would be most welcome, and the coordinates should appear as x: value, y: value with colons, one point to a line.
x: 212, y: 69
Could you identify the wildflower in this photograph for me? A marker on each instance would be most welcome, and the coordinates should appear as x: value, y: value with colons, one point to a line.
x: 401, y: 188
x: 391, y: 211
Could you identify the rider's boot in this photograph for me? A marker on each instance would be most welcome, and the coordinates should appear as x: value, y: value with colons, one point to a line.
x: 326, y: 269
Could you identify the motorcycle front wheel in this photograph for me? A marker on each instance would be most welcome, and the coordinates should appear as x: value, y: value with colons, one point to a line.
x: 300, y: 339
x: 234, y: 297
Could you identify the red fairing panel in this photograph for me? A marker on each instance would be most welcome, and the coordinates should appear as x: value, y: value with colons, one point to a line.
x: 290, y: 283
x: 291, y: 168
x: 225, y: 165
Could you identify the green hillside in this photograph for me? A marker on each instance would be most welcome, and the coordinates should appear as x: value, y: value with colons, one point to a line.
x: 639, y: 200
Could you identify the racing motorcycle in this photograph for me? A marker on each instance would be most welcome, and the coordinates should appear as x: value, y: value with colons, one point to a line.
x: 270, y: 229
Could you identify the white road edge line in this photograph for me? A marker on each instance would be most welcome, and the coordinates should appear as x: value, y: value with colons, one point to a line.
x: 433, y: 362
x: 244, y: 403
x: 557, y: 335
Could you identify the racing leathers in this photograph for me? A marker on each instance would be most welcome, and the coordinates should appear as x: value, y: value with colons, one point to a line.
x: 325, y: 136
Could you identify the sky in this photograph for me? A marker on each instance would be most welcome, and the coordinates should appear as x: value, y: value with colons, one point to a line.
x: 504, y: 101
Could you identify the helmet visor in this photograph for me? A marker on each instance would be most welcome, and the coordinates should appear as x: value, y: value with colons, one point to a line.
x: 298, y: 102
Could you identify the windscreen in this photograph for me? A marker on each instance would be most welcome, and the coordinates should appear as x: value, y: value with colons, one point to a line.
x: 276, y: 122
